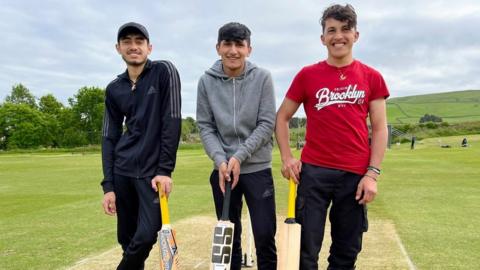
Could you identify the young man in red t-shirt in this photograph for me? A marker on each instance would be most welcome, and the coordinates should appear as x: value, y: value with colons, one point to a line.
x: 338, y: 166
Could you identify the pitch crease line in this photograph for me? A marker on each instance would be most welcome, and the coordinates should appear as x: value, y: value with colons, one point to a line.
x: 411, y: 266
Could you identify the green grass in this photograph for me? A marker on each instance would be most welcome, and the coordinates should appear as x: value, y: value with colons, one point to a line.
x: 453, y: 107
x: 50, y: 212
x: 433, y: 195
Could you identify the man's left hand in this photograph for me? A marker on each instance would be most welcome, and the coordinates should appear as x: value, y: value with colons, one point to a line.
x: 366, y: 190
x: 165, y: 183
x: 234, y: 168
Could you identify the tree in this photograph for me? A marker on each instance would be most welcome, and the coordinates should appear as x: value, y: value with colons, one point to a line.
x: 52, y: 110
x: 70, y: 135
x: 193, y: 124
x: 186, y: 130
x: 87, y: 108
x: 24, y: 127
x: 189, y: 129
x: 296, y: 122
x: 50, y: 105
x: 21, y: 95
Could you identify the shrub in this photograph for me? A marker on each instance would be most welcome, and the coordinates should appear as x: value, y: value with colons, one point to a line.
x: 431, y: 125
x: 430, y: 118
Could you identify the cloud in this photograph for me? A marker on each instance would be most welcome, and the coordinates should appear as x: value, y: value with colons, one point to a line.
x: 58, y: 47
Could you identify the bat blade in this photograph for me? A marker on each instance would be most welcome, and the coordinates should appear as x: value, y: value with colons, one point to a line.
x: 289, y: 247
x: 223, y: 236
x: 167, y: 242
x: 222, y: 245
x: 290, y: 236
x: 168, y: 248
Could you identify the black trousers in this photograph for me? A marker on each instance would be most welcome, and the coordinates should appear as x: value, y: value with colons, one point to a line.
x: 138, y: 219
x: 319, y: 187
x: 260, y: 197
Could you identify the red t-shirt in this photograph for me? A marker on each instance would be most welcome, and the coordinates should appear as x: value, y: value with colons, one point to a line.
x: 336, y: 104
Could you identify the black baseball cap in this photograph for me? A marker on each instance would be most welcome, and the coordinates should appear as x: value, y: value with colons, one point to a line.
x: 132, y: 28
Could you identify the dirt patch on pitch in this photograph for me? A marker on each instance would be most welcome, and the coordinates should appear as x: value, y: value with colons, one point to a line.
x: 381, y: 248
x: 194, y: 242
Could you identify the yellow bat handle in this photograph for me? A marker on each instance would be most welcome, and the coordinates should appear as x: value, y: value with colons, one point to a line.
x: 292, y: 192
x: 163, y: 206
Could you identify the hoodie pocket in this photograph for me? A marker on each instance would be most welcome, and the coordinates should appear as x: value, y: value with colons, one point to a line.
x: 262, y: 155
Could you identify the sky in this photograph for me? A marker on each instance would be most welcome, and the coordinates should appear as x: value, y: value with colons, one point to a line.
x: 58, y: 47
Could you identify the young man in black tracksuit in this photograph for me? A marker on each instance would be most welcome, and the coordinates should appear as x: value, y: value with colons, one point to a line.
x: 236, y: 118
x: 137, y: 157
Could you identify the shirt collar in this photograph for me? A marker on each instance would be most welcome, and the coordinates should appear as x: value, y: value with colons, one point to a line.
x: 148, y: 66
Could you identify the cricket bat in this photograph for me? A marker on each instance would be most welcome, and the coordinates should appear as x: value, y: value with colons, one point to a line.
x: 166, y: 237
x: 223, y: 236
x: 289, y: 240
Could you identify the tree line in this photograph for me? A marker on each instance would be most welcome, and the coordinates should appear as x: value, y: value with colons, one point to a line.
x: 30, y: 122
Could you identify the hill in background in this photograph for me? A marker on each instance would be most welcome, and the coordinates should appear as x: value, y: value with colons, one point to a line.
x: 452, y: 107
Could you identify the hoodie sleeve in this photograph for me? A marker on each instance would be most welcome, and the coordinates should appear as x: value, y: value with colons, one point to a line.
x: 208, y: 128
x: 265, y: 122
x: 112, y: 131
x: 171, y: 121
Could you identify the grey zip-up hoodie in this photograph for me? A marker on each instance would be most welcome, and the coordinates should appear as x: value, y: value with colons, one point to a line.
x: 236, y: 116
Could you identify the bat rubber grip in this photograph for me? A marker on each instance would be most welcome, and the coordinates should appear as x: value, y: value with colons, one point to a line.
x: 163, y: 206
x: 292, y: 192
x: 226, y: 200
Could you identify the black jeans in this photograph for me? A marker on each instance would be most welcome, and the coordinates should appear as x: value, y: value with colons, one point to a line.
x: 260, y: 197
x: 138, y: 219
x: 319, y: 187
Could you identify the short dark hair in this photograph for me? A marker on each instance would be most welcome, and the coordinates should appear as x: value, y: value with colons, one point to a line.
x: 340, y: 13
x: 234, y: 31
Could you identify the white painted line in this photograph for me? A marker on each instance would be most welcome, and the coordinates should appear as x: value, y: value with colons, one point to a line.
x: 411, y: 266
x: 198, y: 264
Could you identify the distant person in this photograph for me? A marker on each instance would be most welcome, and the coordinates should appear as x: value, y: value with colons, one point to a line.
x: 464, y: 142
x: 412, y: 145
x: 236, y: 118
x: 337, y: 167
x: 146, y: 98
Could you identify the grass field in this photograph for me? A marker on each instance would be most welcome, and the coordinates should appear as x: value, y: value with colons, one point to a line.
x: 433, y: 196
x: 50, y: 213
x: 460, y: 106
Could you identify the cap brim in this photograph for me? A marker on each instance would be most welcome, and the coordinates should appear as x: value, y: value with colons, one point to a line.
x: 131, y: 29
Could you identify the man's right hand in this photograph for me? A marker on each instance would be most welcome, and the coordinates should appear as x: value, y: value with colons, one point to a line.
x: 223, y: 175
x: 109, y: 203
x: 291, y: 168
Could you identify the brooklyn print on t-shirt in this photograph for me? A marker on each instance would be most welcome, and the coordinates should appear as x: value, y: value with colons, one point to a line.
x: 341, y: 95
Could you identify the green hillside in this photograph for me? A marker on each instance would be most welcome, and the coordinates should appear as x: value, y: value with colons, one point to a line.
x: 453, y: 107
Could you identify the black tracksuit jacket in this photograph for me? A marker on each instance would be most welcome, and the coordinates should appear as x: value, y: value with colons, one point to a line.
x: 150, y: 109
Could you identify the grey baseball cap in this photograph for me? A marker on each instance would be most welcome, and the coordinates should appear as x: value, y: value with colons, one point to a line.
x: 130, y: 28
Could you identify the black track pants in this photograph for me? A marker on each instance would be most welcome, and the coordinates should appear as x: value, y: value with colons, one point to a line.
x: 138, y: 219
x: 319, y: 187
x: 260, y: 197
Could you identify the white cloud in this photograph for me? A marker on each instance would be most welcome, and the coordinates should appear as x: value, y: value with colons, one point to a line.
x: 60, y: 46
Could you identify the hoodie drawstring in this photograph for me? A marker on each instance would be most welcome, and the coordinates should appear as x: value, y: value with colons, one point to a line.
x: 234, y: 112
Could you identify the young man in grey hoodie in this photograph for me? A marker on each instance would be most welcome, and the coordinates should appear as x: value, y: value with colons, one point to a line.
x: 236, y: 118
